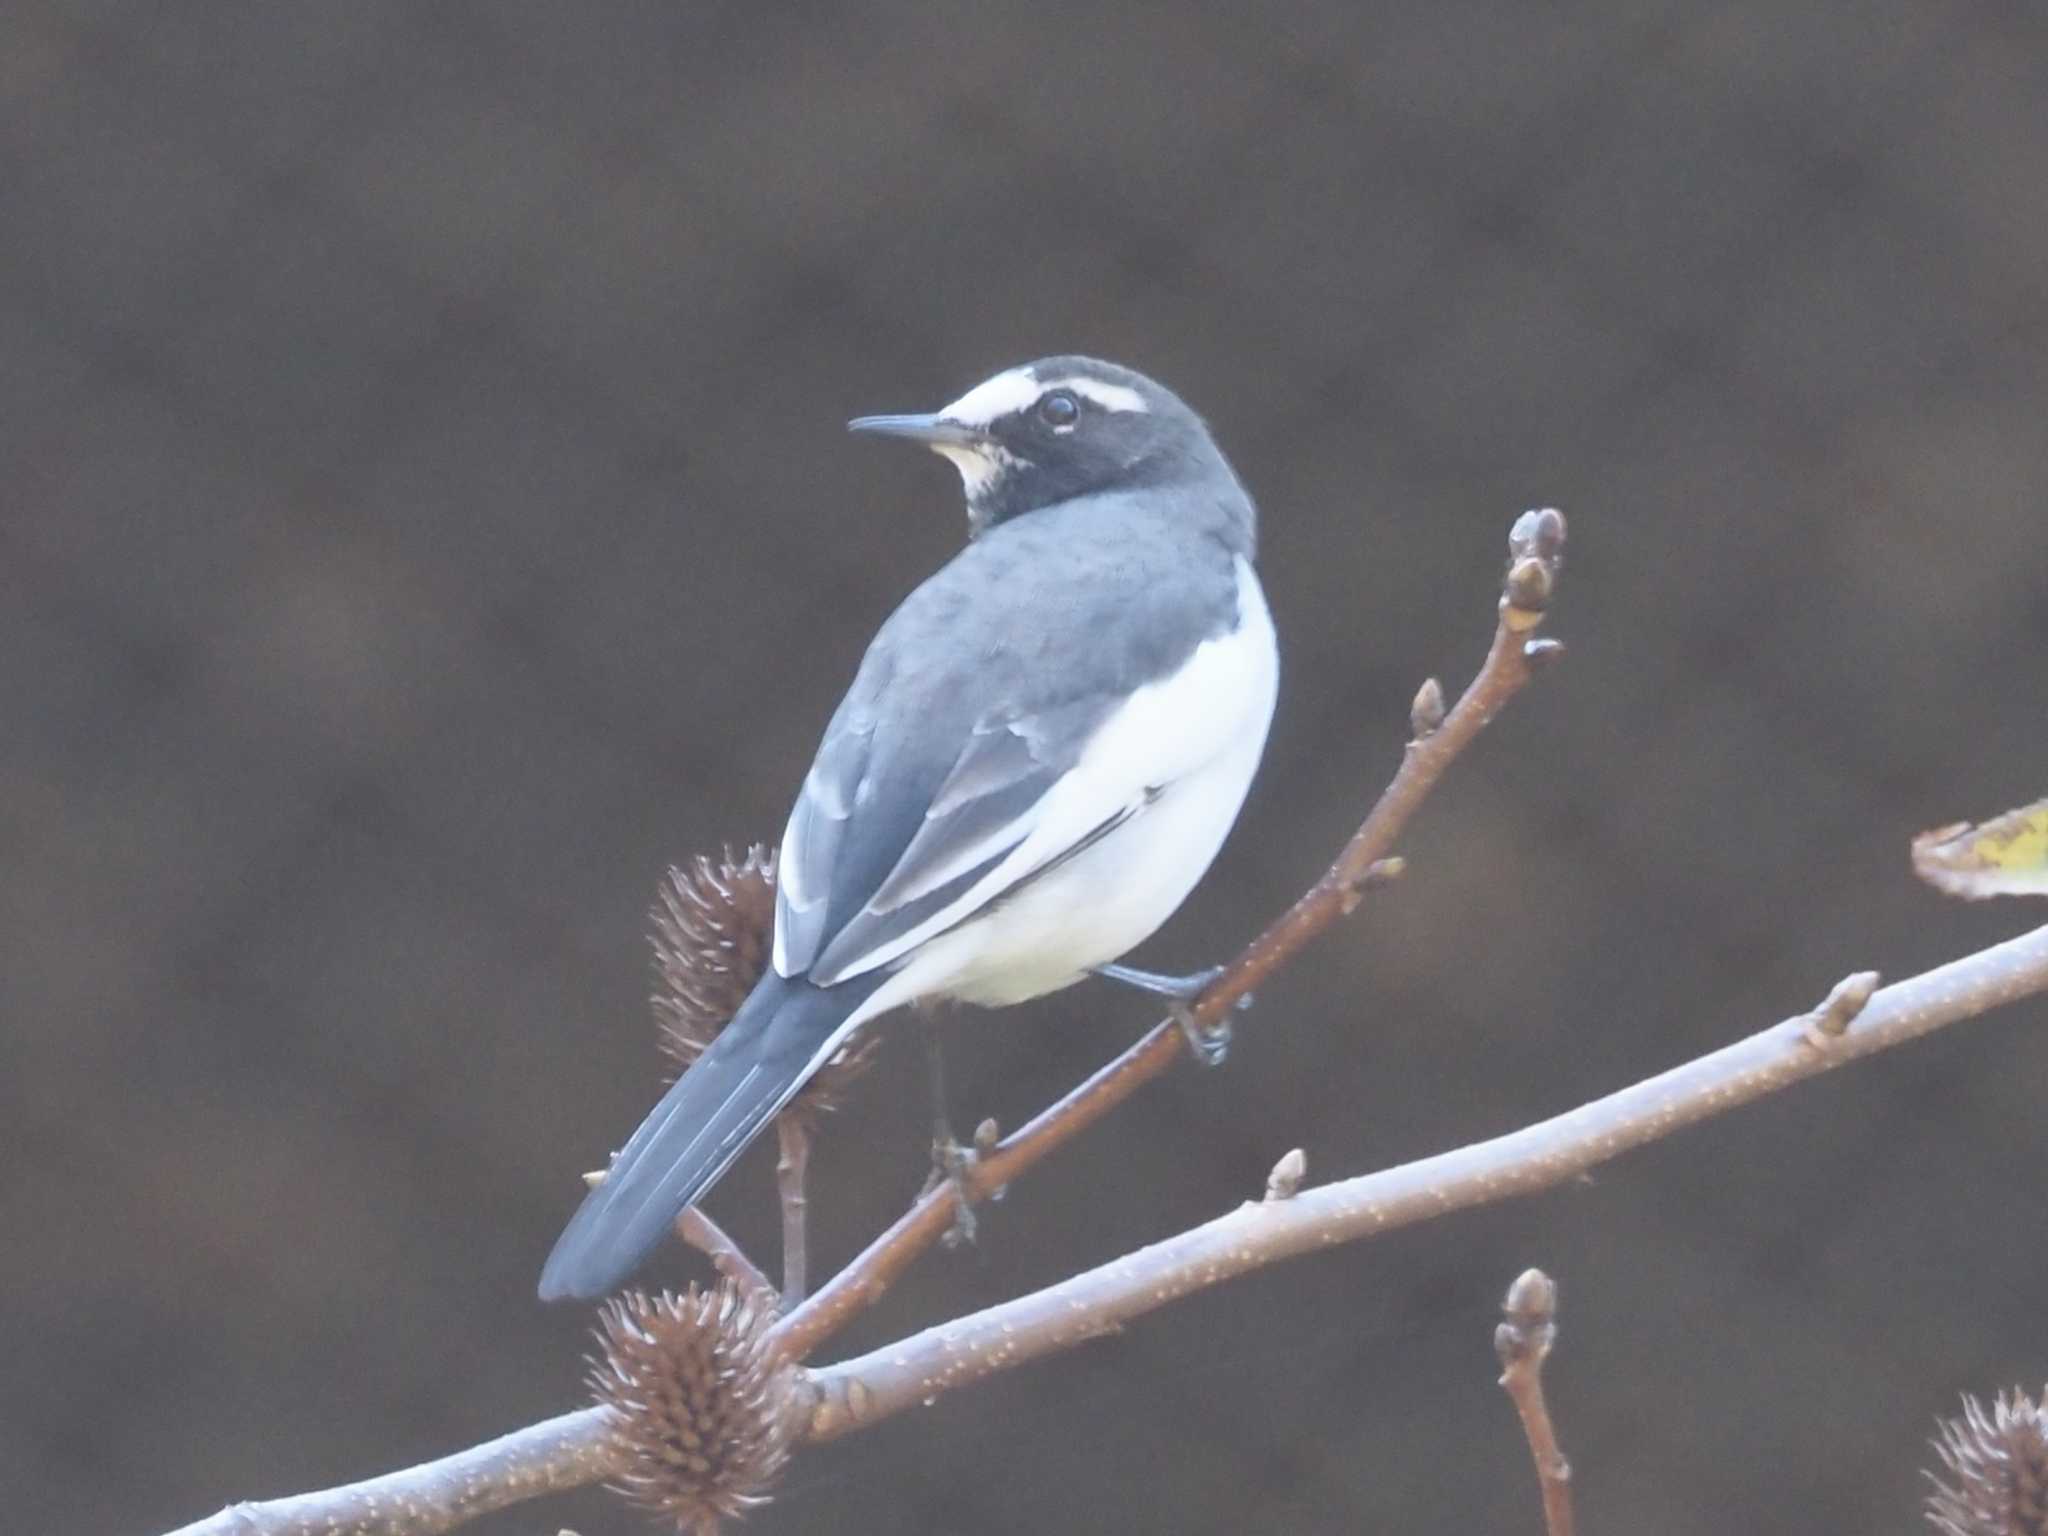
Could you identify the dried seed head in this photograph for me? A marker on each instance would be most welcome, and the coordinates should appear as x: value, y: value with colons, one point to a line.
x: 704, y: 1409
x: 1998, y: 1459
x: 714, y: 923
x: 714, y: 928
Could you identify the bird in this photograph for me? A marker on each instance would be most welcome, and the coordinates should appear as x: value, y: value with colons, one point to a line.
x: 1040, y: 755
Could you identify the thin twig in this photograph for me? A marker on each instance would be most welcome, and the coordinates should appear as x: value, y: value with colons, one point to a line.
x: 791, y: 1168
x: 1528, y: 1328
x: 1536, y: 549
x: 724, y: 1251
x: 857, y: 1392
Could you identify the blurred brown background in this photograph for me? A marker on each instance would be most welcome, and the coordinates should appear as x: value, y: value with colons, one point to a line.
x: 424, y: 513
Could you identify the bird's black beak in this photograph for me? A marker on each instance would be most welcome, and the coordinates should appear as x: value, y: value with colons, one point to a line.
x: 932, y: 431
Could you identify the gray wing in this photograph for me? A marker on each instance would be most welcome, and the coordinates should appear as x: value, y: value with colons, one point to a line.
x: 881, y: 839
x: 976, y: 697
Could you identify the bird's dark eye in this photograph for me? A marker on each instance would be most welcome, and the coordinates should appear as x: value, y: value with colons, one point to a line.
x: 1059, y: 409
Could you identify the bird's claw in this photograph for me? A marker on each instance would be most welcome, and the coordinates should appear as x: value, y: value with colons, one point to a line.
x: 952, y: 1164
x: 1209, y: 1043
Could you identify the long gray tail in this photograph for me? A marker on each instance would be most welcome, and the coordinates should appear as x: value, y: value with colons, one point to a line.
x: 730, y: 1093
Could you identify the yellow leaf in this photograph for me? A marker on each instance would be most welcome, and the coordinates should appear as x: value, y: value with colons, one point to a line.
x: 2007, y: 856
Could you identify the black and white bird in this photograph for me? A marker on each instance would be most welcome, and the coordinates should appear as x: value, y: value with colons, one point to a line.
x: 1041, y: 754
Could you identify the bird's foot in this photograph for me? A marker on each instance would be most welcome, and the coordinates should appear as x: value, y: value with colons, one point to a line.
x: 954, y: 1164
x: 1209, y: 1043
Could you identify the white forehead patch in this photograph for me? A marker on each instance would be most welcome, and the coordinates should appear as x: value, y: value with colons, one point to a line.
x: 1018, y: 389
x: 1111, y: 397
x: 995, y: 398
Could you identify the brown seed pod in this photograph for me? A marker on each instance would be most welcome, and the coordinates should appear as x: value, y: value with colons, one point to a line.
x: 704, y: 1409
x: 1998, y: 1458
x: 713, y: 930
x: 714, y: 923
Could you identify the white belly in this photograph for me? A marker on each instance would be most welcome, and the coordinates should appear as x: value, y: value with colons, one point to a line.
x: 1108, y: 900
x: 1200, y: 735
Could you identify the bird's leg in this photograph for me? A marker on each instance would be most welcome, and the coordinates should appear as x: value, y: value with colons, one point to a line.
x: 1162, y: 983
x: 1209, y: 1043
x: 950, y: 1160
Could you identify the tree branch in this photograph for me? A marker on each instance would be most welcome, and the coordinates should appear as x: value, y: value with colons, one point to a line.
x: 1535, y: 554
x: 857, y: 1392
x: 1523, y: 1339
x: 792, y: 1167
x: 575, y: 1449
x: 550, y: 1457
x: 439, y: 1495
x: 700, y: 1232
x: 1856, y: 1020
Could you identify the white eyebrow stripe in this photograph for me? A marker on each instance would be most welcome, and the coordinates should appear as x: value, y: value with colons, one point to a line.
x: 994, y: 398
x: 1111, y: 397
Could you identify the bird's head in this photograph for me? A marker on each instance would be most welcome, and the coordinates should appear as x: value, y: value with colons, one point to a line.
x: 1045, y: 432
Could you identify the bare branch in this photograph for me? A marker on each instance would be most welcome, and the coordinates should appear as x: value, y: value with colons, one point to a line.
x: 575, y: 1449
x: 550, y: 1457
x: 1523, y: 1340
x: 1536, y: 552
x: 1856, y: 1020
x: 403, y: 1499
x: 727, y: 1257
x: 791, y: 1169
x: 857, y: 1392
